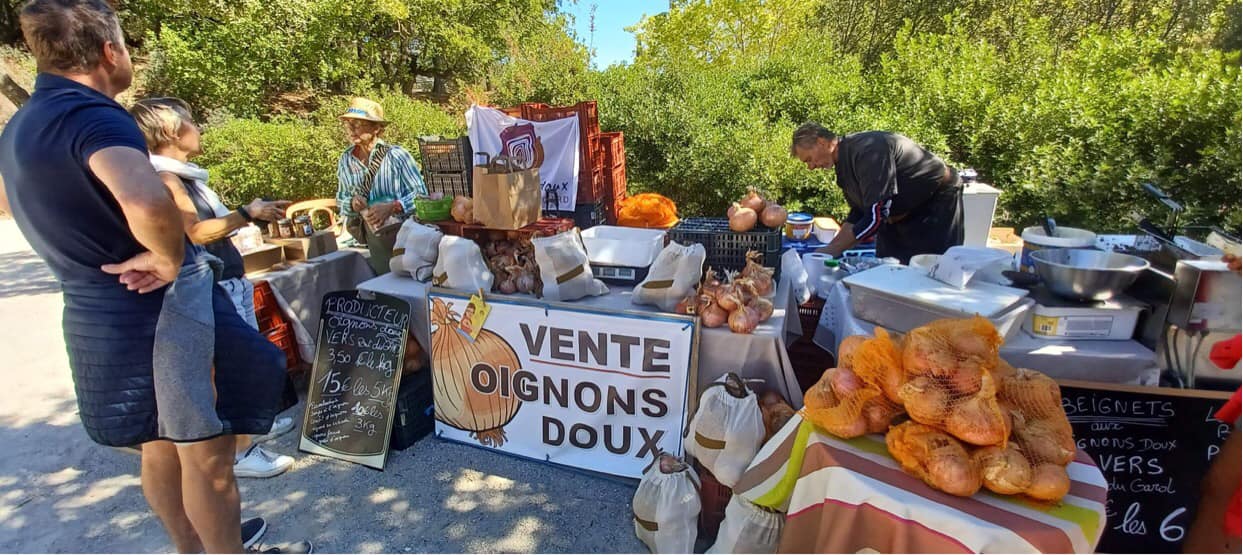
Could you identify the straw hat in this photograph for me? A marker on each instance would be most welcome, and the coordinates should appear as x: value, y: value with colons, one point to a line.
x: 366, y: 110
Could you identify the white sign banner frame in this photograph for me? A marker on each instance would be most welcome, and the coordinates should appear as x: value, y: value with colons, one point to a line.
x: 563, y: 406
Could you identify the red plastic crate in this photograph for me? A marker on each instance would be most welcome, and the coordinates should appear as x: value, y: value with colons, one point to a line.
x: 589, y: 190
x: 264, y: 298
x: 544, y: 227
x: 614, y: 146
x: 282, y: 336
x: 713, y: 498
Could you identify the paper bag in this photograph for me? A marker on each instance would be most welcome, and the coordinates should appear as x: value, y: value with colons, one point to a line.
x: 506, y: 199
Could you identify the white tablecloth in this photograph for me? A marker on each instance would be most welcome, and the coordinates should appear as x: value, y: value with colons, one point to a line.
x: 761, y: 355
x: 1125, y: 362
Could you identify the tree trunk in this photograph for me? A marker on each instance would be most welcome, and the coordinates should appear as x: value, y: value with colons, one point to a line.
x: 12, y: 91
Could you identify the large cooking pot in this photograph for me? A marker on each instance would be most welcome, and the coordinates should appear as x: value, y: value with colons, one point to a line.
x: 1087, y: 274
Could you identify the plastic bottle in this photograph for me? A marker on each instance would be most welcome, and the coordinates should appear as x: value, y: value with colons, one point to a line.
x: 832, y: 274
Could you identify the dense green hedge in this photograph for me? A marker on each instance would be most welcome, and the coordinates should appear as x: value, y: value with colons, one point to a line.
x: 1068, y: 131
x: 297, y: 158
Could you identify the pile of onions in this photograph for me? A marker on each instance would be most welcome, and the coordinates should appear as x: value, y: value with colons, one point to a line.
x: 459, y: 404
x: 512, y: 260
x: 739, y: 304
x: 751, y: 210
x: 463, y: 210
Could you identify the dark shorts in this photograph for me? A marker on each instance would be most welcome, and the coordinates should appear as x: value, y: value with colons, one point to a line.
x: 109, y: 335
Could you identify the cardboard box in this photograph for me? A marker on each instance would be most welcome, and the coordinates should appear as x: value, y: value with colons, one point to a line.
x: 263, y: 258
x: 302, y: 248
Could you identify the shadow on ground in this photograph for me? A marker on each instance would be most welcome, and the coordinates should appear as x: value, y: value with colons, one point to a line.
x: 436, y: 496
x: 24, y: 273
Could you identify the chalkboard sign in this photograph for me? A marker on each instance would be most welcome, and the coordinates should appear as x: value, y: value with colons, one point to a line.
x: 1154, y: 446
x: 354, y: 381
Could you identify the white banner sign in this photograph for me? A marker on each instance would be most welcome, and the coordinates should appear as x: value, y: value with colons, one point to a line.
x: 593, y: 390
x: 552, y: 146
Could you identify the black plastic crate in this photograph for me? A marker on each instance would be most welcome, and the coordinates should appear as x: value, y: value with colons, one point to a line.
x: 727, y: 249
x: 415, y: 414
x: 446, y: 156
x: 584, y: 215
x: 451, y: 184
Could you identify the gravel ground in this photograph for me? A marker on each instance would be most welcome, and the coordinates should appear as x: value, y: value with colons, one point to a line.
x: 61, y: 493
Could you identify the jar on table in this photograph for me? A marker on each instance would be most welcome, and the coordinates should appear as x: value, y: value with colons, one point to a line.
x: 286, y: 228
x: 798, y: 226
x: 303, y: 227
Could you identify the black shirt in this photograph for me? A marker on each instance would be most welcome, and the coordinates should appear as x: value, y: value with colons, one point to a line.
x: 884, y: 174
x: 70, y: 218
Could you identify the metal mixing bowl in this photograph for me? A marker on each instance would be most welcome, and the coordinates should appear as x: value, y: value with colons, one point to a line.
x: 1087, y: 274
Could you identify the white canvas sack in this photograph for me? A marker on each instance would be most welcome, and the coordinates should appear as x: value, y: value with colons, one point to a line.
x: 563, y: 268
x: 673, y: 276
x: 728, y: 429
x: 461, y: 266
x: 666, y: 506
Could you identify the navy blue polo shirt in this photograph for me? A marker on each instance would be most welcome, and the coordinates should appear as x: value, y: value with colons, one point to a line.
x: 72, y: 221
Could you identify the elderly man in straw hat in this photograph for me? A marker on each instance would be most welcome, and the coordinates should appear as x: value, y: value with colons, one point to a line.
x: 377, y: 182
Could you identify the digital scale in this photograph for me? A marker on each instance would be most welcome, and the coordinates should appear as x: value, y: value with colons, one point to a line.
x: 1054, y: 317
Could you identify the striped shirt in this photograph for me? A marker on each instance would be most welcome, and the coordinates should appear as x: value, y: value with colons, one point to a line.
x: 398, y: 179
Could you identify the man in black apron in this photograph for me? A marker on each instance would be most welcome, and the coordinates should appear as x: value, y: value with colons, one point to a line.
x: 901, y: 195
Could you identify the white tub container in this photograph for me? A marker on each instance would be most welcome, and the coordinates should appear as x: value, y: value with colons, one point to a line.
x: 623, y: 246
x: 1034, y: 239
x: 979, y: 204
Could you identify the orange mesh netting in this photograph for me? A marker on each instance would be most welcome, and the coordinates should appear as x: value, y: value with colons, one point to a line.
x: 837, y: 401
x: 878, y: 362
x: 648, y: 210
x: 846, y: 351
x: 934, y: 457
x: 1042, y: 434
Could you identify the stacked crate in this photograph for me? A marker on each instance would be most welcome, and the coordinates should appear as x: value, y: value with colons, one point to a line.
x: 274, y: 326
x: 447, y: 166
x: 612, y: 149
x: 602, y: 161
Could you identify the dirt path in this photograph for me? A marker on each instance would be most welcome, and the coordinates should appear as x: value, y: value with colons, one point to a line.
x: 59, y: 492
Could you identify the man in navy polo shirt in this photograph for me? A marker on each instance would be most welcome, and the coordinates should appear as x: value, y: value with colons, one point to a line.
x: 79, y: 183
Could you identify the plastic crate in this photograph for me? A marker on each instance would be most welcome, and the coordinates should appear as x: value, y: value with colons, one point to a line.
x: 414, y: 417
x: 713, y: 497
x: 451, y: 184
x: 727, y: 249
x: 264, y: 298
x: 544, y: 227
x: 613, y: 146
x: 447, y: 156
x: 282, y: 336
x: 585, y: 216
x: 809, y: 316
x: 587, y: 112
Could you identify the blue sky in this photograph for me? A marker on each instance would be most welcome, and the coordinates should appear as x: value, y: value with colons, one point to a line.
x: 612, y: 43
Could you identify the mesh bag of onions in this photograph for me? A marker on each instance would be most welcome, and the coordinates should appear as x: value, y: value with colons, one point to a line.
x: 935, y: 457
x: 666, y: 506
x: 748, y: 528
x: 564, y: 269
x: 950, y: 365
x: 1042, y: 438
x: 727, y: 430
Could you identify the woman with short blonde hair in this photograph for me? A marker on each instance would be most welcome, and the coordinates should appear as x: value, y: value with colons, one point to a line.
x: 167, y: 124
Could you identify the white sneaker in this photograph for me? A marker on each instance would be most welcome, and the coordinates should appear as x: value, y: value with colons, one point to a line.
x: 258, y: 463
x: 281, y: 426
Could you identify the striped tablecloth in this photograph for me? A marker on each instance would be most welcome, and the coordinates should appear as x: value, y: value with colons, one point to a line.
x: 845, y: 496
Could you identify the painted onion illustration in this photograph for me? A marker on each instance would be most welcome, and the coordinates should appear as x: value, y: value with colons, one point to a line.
x: 454, y: 355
